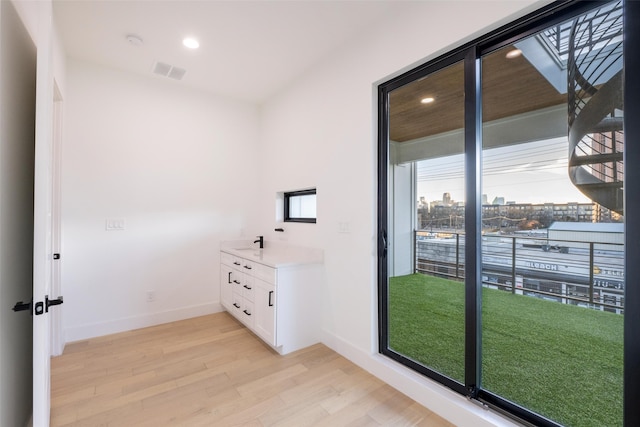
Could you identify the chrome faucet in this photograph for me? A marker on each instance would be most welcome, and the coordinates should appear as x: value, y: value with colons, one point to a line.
x: 260, y: 240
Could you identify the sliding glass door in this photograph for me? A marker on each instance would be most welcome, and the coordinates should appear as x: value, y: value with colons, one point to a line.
x: 426, y: 298
x: 504, y: 218
x: 553, y: 221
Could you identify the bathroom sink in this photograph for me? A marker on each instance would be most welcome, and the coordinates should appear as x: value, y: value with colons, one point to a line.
x: 249, y: 252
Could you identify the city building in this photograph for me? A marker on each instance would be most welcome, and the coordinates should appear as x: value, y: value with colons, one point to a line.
x: 446, y: 199
x: 513, y: 214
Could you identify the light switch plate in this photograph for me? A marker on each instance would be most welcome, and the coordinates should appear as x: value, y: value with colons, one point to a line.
x: 114, y: 224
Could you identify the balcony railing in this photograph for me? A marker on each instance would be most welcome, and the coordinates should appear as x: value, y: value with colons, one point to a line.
x: 588, y: 274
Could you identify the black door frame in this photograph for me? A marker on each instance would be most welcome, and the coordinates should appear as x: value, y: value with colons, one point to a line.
x: 471, y: 53
x: 632, y: 210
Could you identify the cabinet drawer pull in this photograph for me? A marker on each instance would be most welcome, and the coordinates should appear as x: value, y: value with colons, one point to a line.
x: 236, y: 282
x: 236, y: 263
x: 270, y: 302
x: 248, y: 267
x: 236, y: 305
x: 246, y: 287
x: 246, y: 312
x: 229, y: 280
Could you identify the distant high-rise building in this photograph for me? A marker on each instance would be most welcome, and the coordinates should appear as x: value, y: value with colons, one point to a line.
x: 498, y: 201
x: 446, y: 198
x: 484, y: 199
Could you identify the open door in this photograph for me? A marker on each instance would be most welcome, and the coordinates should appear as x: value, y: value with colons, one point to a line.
x: 17, y: 120
x: 43, y: 299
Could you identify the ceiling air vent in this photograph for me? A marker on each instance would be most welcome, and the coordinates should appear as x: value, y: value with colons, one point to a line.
x: 176, y: 73
x: 167, y: 70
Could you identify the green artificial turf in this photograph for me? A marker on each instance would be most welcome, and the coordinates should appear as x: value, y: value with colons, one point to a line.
x: 562, y: 361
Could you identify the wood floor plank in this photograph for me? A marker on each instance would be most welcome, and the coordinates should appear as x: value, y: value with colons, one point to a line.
x: 310, y: 390
x: 211, y: 371
x: 268, y: 383
x: 300, y: 415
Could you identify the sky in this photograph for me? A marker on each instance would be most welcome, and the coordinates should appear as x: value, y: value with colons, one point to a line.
x: 534, y: 172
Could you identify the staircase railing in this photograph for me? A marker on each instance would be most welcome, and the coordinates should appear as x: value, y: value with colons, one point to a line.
x: 596, y: 135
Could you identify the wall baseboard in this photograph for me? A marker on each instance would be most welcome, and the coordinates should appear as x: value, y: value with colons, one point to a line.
x: 430, y: 394
x: 77, y: 333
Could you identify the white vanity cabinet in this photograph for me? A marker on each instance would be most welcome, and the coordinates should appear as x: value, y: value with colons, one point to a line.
x: 278, y: 301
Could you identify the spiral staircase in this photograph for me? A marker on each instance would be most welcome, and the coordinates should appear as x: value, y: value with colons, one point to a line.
x: 595, y: 83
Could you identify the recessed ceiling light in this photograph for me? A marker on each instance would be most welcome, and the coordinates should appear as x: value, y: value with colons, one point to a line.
x: 191, y: 43
x: 513, y: 53
x: 427, y: 100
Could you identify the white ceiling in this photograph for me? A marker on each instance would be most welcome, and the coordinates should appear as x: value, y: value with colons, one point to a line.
x: 249, y: 50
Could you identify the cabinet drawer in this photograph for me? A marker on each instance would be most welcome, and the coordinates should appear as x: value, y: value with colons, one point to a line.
x: 265, y: 273
x: 247, y: 266
x: 230, y: 260
x: 236, y: 281
x: 246, y: 314
x: 226, y: 259
x: 247, y: 287
x: 237, y: 303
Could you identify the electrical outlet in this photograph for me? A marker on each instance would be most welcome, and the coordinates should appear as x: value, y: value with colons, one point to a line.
x: 151, y: 296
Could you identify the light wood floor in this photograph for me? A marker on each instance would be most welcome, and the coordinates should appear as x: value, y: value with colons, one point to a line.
x: 211, y: 371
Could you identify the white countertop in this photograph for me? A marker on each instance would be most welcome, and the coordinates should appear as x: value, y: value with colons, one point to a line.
x: 274, y: 254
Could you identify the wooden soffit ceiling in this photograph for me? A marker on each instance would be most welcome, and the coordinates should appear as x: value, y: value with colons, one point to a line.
x: 510, y: 87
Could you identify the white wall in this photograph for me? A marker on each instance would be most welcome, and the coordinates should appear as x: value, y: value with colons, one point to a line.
x: 186, y: 170
x: 402, y: 217
x: 321, y: 131
x: 178, y: 167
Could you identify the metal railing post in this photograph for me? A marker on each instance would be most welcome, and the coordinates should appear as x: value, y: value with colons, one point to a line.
x: 457, y: 255
x: 591, y: 273
x: 415, y: 250
x: 513, y: 265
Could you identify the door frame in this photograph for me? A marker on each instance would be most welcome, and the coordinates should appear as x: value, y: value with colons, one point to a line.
x: 42, y: 254
x: 476, y: 49
x: 57, y: 338
x: 632, y: 210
